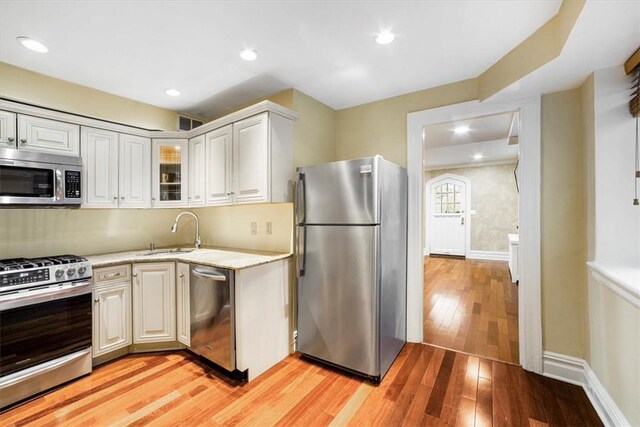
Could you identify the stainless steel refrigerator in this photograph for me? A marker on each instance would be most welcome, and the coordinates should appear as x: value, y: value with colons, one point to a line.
x: 351, y: 238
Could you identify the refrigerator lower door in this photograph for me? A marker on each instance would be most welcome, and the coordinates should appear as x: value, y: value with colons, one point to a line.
x: 338, y: 297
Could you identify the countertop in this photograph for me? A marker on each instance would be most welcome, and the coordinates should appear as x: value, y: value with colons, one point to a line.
x: 235, y: 259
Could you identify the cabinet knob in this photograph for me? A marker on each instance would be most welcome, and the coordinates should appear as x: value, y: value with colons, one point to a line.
x: 135, y: 275
x: 97, y: 300
x: 11, y: 139
x: 121, y: 197
x: 181, y: 275
x: 23, y: 140
x: 115, y: 197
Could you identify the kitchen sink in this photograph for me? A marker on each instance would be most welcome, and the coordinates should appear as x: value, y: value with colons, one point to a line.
x: 166, y: 251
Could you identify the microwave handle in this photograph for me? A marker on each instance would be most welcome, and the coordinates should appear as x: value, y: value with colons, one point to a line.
x: 58, y: 184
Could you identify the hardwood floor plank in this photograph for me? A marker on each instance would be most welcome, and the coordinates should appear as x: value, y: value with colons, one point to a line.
x: 436, y: 387
x: 469, y: 304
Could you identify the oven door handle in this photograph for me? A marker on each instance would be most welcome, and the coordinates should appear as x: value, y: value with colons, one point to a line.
x: 22, y: 299
x: 38, y: 370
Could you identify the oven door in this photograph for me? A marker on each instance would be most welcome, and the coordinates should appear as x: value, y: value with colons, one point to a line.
x: 43, y: 324
x: 26, y: 183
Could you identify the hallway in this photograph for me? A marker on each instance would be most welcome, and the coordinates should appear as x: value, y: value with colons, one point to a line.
x: 471, y: 306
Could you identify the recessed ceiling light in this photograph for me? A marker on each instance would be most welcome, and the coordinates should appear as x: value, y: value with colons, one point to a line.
x: 248, y: 55
x: 461, y: 129
x: 172, y: 92
x: 385, y: 37
x: 478, y: 157
x: 33, y: 45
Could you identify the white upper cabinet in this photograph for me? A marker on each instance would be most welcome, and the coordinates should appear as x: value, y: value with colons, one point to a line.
x: 170, y: 176
x: 219, y: 156
x: 48, y: 136
x: 197, y: 176
x: 134, y: 173
x: 7, y: 129
x: 251, y: 159
x: 99, y: 168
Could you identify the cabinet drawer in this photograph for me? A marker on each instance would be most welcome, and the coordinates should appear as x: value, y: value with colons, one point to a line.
x: 118, y: 273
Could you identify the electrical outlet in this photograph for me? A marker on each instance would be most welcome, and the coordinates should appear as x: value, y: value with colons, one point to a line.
x: 268, y: 227
x: 254, y: 228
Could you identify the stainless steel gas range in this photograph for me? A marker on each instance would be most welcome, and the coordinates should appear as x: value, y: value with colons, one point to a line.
x: 45, y: 324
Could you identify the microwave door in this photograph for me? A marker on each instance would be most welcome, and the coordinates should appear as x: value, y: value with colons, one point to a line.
x: 28, y: 183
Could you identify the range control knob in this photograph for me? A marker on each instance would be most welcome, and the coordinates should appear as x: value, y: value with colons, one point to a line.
x: 82, y: 269
x: 71, y: 271
x: 59, y: 272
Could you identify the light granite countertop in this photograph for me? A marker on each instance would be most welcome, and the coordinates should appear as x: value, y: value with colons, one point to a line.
x: 235, y: 259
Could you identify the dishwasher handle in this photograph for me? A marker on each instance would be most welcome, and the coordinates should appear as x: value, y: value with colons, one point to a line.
x: 209, y: 275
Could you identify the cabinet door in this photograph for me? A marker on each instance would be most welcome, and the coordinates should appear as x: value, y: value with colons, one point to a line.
x: 182, y: 303
x: 48, y: 136
x: 197, y: 164
x: 111, y: 317
x: 219, y: 154
x: 170, y: 175
x: 7, y: 129
x: 154, y: 302
x: 251, y: 159
x: 134, y: 175
x: 99, y: 168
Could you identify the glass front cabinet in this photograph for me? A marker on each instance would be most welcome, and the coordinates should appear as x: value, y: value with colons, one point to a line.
x: 170, y: 174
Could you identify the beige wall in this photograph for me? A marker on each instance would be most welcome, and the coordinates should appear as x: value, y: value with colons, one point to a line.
x: 494, y: 198
x: 381, y: 127
x: 40, y: 232
x: 26, y: 86
x: 614, y: 326
x: 284, y: 98
x: 563, y: 225
x: 314, y: 133
x: 230, y: 226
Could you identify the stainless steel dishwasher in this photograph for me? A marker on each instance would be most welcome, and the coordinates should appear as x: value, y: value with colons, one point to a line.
x: 213, y: 314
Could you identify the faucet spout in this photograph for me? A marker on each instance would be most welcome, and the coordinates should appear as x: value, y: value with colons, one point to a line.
x: 174, y: 227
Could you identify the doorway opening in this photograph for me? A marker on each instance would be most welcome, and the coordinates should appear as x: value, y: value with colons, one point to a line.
x: 529, y: 325
x: 470, y: 220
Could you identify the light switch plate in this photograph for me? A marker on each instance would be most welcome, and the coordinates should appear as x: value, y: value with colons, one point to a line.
x: 254, y: 228
x: 268, y: 227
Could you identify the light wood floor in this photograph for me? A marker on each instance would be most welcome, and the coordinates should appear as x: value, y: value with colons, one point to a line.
x: 471, y: 306
x: 425, y: 386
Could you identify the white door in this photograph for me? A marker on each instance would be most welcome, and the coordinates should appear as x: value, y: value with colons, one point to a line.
x: 99, y: 168
x: 154, y: 302
x: 219, y: 163
x: 111, y: 318
x: 7, y: 129
x: 446, y: 210
x: 197, y: 165
x: 135, y: 175
x: 251, y: 159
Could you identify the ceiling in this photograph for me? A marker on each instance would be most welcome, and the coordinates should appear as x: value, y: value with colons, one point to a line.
x: 485, y: 128
x: 326, y: 49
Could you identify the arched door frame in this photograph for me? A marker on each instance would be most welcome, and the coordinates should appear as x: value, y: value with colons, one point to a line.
x: 529, y: 295
x: 467, y: 207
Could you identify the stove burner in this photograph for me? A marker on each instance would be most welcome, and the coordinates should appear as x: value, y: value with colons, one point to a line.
x: 23, y: 263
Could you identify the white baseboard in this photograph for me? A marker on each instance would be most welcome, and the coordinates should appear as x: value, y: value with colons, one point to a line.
x: 489, y: 255
x: 577, y: 371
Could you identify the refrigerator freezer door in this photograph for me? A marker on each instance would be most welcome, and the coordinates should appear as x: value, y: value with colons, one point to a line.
x: 339, y: 193
x: 337, y: 297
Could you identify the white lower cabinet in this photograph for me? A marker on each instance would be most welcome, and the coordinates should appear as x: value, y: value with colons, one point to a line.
x: 111, y: 310
x: 154, y: 302
x: 263, y: 316
x: 182, y: 303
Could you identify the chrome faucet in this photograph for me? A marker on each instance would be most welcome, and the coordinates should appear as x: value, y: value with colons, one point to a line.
x: 174, y: 227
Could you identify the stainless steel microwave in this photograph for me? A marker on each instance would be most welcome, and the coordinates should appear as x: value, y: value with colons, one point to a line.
x: 32, y: 178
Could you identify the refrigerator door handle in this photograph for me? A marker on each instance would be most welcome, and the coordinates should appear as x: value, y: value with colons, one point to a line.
x: 301, y: 203
x: 301, y: 256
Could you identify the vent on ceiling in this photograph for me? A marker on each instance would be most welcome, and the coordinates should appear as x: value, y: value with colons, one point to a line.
x: 186, y: 123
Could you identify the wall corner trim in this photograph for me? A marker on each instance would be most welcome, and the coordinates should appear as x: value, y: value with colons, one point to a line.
x: 577, y: 371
